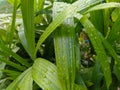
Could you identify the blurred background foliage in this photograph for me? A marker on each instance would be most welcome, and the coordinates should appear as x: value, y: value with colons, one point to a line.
x: 5, y: 7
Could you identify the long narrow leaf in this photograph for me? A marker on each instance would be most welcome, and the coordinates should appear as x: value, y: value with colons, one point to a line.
x: 23, y: 40
x: 3, y: 35
x: 97, y: 44
x: 80, y: 82
x: 112, y: 52
x: 104, y: 6
x: 106, y: 13
x: 97, y: 75
x: 27, y: 8
x: 96, y: 17
x: 11, y: 34
x: 8, y: 51
x: 11, y: 73
x: 115, y: 32
x: 66, y: 45
x: 21, y: 68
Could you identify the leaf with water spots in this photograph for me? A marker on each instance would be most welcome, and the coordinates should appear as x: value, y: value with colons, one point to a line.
x: 69, y: 11
x: 45, y: 74
x: 99, y: 49
x: 23, y: 82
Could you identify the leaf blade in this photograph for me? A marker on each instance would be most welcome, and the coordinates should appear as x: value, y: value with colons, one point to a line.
x: 97, y: 44
x: 23, y: 82
x: 27, y: 8
x: 47, y: 74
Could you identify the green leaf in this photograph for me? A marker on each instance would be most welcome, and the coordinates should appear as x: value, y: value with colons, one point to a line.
x: 69, y: 11
x: 2, y: 66
x: 23, y: 40
x: 112, y: 52
x: 80, y: 82
x: 17, y: 66
x: 104, y: 6
x: 65, y: 42
x: 8, y: 51
x: 11, y: 73
x: 115, y: 14
x: 3, y: 35
x: 13, y: 1
x: 97, y: 75
x: 106, y: 21
x: 115, y: 32
x: 106, y: 13
x: 27, y: 8
x: 96, y: 17
x: 79, y: 87
x: 12, y: 29
x: 99, y: 49
x: 45, y: 75
x: 23, y: 82
x: 39, y: 4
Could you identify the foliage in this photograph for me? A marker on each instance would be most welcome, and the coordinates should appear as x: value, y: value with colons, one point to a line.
x: 60, y: 45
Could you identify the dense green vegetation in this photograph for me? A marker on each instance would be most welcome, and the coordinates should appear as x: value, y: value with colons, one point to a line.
x: 59, y: 45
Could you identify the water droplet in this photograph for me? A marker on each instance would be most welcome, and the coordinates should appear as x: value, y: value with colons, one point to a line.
x: 44, y: 76
x: 67, y: 78
x: 45, y: 70
x: 118, y: 33
x: 91, y: 35
x: 106, y: 69
x: 87, y: 1
x: 52, y: 71
x: 95, y: 37
x: 115, y: 63
x: 119, y: 68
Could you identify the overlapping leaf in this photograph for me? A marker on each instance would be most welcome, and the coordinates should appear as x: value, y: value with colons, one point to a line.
x: 68, y: 12
x: 45, y: 75
x: 23, y: 82
x: 17, y: 66
x: 97, y: 44
x: 8, y: 51
x: 12, y: 29
x: 115, y: 32
x: 65, y: 42
x: 27, y: 8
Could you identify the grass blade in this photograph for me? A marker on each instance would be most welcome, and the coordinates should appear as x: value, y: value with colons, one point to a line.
x: 112, y: 52
x: 17, y: 66
x: 8, y: 51
x: 11, y: 73
x: 96, y: 17
x: 3, y: 35
x: 80, y: 82
x: 115, y: 32
x: 11, y: 32
x: 27, y: 8
x: 104, y: 6
x: 23, y: 40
